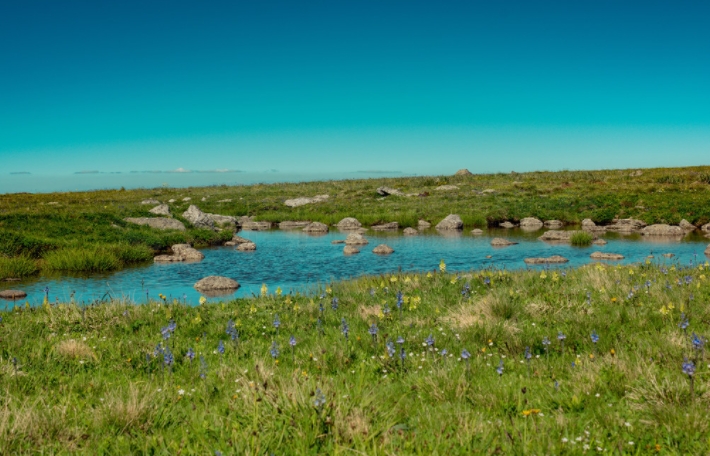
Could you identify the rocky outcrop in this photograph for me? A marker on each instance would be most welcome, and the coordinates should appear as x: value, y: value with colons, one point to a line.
x: 383, y: 249
x: 386, y: 191
x: 554, y: 259
x: 158, y: 223
x: 186, y: 252
x: 349, y: 223
x: 477, y: 232
x: 506, y: 225
x: 350, y: 250
x: 150, y: 201
x: 161, y: 209
x: 554, y: 224
x: 246, y: 247
x: 223, y: 220
x: 167, y: 258
x: 410, y: 232
x: 302, y: 201
x: 216, y: 283
x: 423, y: 225
x: 253, y: 225
x: 590, y: 226
x: 686, y: 225
x: 463, y: 172
x: 531, y: 223
x: 12, y: 294
x: 236, y: 240
x: 391, y: 226
x: 356, y: 239
x: 661, y: 229
x: 446, y: 187
x: 199, y: 219
x: 606, y: 256
x: 316, y: 228
x: 450, y: 222
x: 629, y: 225
x: 290, y: 225
x: 500, y: 242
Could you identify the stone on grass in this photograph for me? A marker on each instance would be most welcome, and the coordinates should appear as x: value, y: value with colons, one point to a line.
x: 446, y: 187
x: 386, y: 191
x: 161, y: 209
x: 500, y: 242
x: 199, y: 219
x: 686, y: 225
x: 450, y: 222
x: 383, y: 249
x: 302, y: 201
x: 606, y: 256
x: 159, y: 223
x: 554, y: 259
x: 463, y: 172
x: 150, y: 201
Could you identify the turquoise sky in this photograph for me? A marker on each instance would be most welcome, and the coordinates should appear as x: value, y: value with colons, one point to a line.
x: 329, y: 87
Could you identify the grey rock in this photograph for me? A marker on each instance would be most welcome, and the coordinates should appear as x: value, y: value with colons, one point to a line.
x: 349, y: 223
x: 223, y: 220
x: 559, y: 236
x: 686, y: 225
x: 410, y: 232
x: 167, y: 258
x: 554, y: 259
x: 187, y: 253
x: 212, y: 283
x: 450, y: 222
x: 446, y: 187
x: 187, y: 198
x: 599, y: 242
x: 391, y: 226
x: 253, y: 225
x: 302, y: 201
x: 636, y: 173
x: 705, y: 228
x: 225, y: 201
x: 148, y: 201
x: 198, y: 218
x: 350, y: 250
x: 463, y: 172
x: 290, y: 225
x: 383, y: 249
x: 316, y: 227
x: 629, y: 225
x: 668, y: 255
x: 606, y: 256
x: 661, y: 229
x: 162, y: 209
x: 423, y: 225
x: 386, y: 191
x: 356, y: 239
x: 477, y: 232
x: 506, y: 225
x: 531, y: 223
x: 554, y: 224
x: 159, y: 223
x: 338, y: 241
x: 171, y: 200
x: 500, y: 242
x: 12, y: 294
x: 246, y: 247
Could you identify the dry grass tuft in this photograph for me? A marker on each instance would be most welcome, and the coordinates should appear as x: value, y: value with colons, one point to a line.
x: 74, y: 349
x: 128, y: 409
x: 368, y: 312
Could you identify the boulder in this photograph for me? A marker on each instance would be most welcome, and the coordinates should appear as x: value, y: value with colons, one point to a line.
x: 161, y: 209
x: 316, y: 227
x: 506, y: 225
x: 559, y: 236
x: 410, y: 232
x: 290, y: 225
x: 199, y: 219
x: 386, y: 191
x: 383, y: 249
x: 159, y: 223
x: 423, y: 225
x: 167, y: 258
x: 391, y: 226
x: 149, y: 201
x: 531, y: 223
x: 661, y: 229
x: 187, y: 198
x: 187, y: 252
x: 253, y: 225
x: 477, y: 232
x: 302, y: 201
x: 246, y: 247
x: 500, y: 242
x: 213, y: 283
x: 554, y: 224
x: 629, y: 225
x: 350, y: 250
x: 599, y: 242
x: 686, y: 225
x: 239, y: 240
x: 450, y: 222
x: 225, y: 201
x: 223, y: 220
x: 606, y: 256
x: 12, y: 294
x: 463, y: 172
x: 446, y: 187
x: 356, y: 239
x: 349, y: 223
x: 705, y: 228
x: 554, y: 259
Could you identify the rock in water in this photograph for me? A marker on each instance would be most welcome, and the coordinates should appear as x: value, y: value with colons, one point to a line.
x: 162, y: 209
x: 253, y: 225
x: 626, y: 225
x: 356, y: 239
x: 661, y: 229
x: 554, y: 259
x: 500, y: 242
x: 198, y: 218
x: 410, y: 232
x: 350, y: 250
x: 159, y: 223
x: 477, y: 232
x: 215, y: 283
x: 246, y: 247
x: 686, y: 225
x: 423, y: 225
x: 316, y: 228
x: 167, y: 258
x: 554, y: 224
x: 290, y: 225
x: 599, y: 242
x: 383, y: 249
x: 450, y: 222
x: 12, y: 294
x: 349, y: 223
x: 506, y: 225
x: 531, y: 223
x: 187, y: 252
x: 391, y: 226
x: 606, y: 256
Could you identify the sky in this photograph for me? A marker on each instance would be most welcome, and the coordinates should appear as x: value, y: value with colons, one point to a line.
x: 332, y: 87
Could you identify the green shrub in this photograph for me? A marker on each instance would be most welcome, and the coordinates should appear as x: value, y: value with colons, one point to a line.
x: 581, y: 238
x: 82, y: 259
x: 17, y: 267
x: 128, y: 254
x: 13, y: 244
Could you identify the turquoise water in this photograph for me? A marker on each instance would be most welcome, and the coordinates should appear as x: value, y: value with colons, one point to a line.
x: 296, y: 262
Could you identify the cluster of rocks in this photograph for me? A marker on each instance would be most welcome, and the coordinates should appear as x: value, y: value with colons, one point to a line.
x: 181, y: 252
x: 560, y: 236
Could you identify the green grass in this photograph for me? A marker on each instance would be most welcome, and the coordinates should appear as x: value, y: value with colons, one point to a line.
x: 86, y: 380
x: 581, y: 238
x: 17, y: 267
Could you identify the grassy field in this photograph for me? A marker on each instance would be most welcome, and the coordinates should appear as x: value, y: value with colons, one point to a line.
x: 80, y: 224
x: 433, y: 363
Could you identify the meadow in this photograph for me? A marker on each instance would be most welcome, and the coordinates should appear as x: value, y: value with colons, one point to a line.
x: 63, y: 231
x: 600, y: 359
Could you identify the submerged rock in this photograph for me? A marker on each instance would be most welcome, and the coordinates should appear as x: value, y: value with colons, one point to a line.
x: 606, y: 256
x: 668, y: 255
x: 450, y: 222
x: 477, y: 232
x: 707, y: 250
x: 158, y: 223
x: 554, y: 224
x: 500, y: 242
x: 506, y: 225
x: 423, y: 225
x: 599, y: 242
x: 559, y: 236
x: 215, y: 283
x: 410, y: 232
x: 383, y: 249
x: 554, y: 259
x: 253, y: 225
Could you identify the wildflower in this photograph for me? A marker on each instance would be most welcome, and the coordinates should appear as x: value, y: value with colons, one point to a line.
x: 278, y: 291
x: 274, y: 350
x: 373, y: 331
x: 684, y: 323
x: 344, y: 327
x: 698, y: 342
x: 334, y: 303
x: 390, y: 349
x: 264, y: 289
x: 500, y: 369
x: 430, y: 341
x: 232, y: 330
x: 400, y: 340
x: 203, y: 367
x: 277, y: 322
x: 372, y: 292
x: 203, y: 300
x: 442, y: 266
x: 402, y: 354
x: 595, y: 337
x: 444, y: 352
x: 190, y: 354
x: 528, y: 355
x: 220, y: 347
x: 465, y: 354
x: 319, y: 400
x: 181, y: 392
x: 292, y: 341
x: 561, y: 336
x: 168, y: 357
x: 487, y: 281
x: 400, y: 300
x: 543, y: 276
x: 158, y: 350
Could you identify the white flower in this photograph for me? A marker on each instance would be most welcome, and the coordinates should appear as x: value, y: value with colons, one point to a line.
x: 181, y: 392
x: 627, y: 424
x: 597, y: 395
x: 160, y: 389
x: 564, y: 440
x: 631, y: 443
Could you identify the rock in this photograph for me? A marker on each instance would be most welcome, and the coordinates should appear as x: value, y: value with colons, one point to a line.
x: 626, y: 225
x: 463, y: 172
x: 213, y: 283
x: 636, y: 173
x: 707, y: 250
x: 302, y: 201
x: 506, y: 225
x: 162, y: 209
x: 148, y: 201
x: 391, y: 226
x: 554, y: 224
x: 590, y: 226
x: 225, y: 201
x: 350, y: 250
x: 410, y: 232
x: 423, y: 225
x: 187, y: 198
x: 223, y: 220
x: 386, y: 191
x: 349, y: 223
x: 167, y: 258
x: 383, y: 249
x: 500, y: 242
x: 554, y: 259
x: 606, y: 256
x: 488, y: 191
x: 253, y: 225
x: 450, y: 222
x: 290, y: 225
x: 316, y: 227
x: 559, y: 236
x: 668, y: 255
x: 686, y: 225
x: 356, y: 239
x: 661, y: 229
x: 488, y: 257
x: 531, y: 223
x: 12, y: 294
x: 477, y: 232
x: 204, y: 199
x: 187, y: 252
x: 239, y: 240
x: 705, y: 228
x: 338, y: 241
x: 446, y: 187
x: 198, y: 218
x: 159, y: 223
x: 171, y: 200
x: 599, y: 242
x: 246, y: 247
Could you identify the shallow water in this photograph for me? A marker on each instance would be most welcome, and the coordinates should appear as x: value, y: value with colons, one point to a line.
x: 296, y: 261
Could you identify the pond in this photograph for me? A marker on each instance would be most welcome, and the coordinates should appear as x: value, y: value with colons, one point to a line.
x: 297, y: 262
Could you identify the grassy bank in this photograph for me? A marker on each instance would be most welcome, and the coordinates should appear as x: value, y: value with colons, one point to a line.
x: 153, y: 378
x: 34, y: 225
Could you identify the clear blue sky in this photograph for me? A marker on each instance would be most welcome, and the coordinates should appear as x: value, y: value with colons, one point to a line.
x: 331, y: 86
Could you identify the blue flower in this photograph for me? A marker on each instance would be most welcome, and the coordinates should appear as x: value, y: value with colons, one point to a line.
x: 344, y: 327
x: 430, y: 341
x: 465, y: 354
x: 190, y: 354
x: 373, y: 330
x: 546, y: 342
x: 390, y: 349
x: 220, y: 347
x: 487, y: 281
x: 172, y: 326
x: 168, y: 357
x: 697, y: 341
x: 561, y: 336
x: 319, y: 400
x: 400, y: 300
x: 528, y: 355
x: 595, y: 337
x: 334, y: 303
x: 274, y: 350
x: 684, y: 323
x: 158, y: 350
x: 402, y: 353
x: 292, y: 341
x: 372, y: 292
x: 232, y: 330
x: 277, y: 322
x: 500, y: 369
x: 203, y: 367
x: 688, y: 367
x: 400, y: 340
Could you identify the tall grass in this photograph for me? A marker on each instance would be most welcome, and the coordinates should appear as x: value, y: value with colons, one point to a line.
x: 82, y: 259
x: 17, y: 267
x: 581, y: 238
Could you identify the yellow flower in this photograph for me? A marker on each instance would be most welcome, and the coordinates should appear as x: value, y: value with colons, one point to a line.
x: 407, y: 279
x: 428, y: 275
x: 663, y: 310
x: 197, y: 319
x: 612, y: 352
x: 442, y: 266
x: 296, y: 308
x: 613, y: 299
x: 252, y: 309
x: 278, y: 291
x: 393, y: 279
x: 328, y: 290
x: 203, y: 300
x: 453, y: 281
x: 288, y: 299
x: 543, y: 276
x: 631, y: 272
x: 671, y: 307
x: 555, y: 278
x: 264, y: 289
